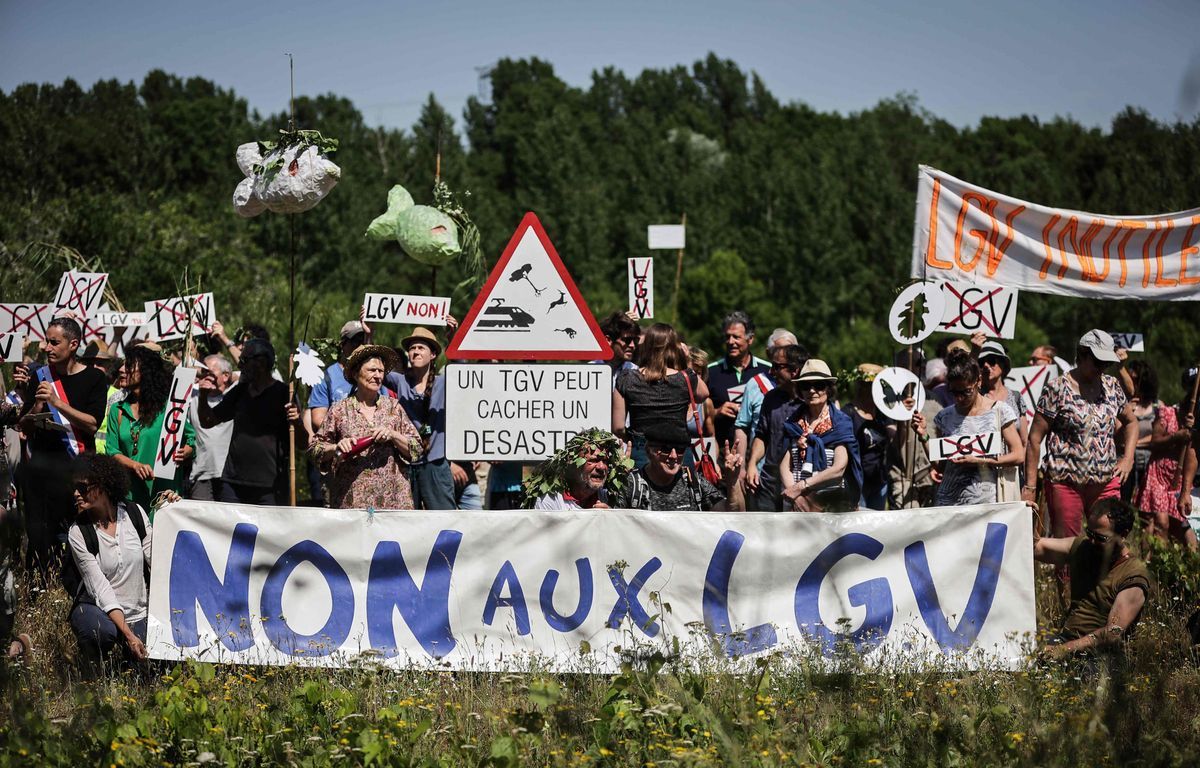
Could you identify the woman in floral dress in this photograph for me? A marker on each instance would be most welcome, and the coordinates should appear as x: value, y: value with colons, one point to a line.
x: 367, y: 441
x: 1159, y: 495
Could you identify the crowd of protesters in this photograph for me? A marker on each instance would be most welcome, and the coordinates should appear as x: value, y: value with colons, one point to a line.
x: 782, y: 434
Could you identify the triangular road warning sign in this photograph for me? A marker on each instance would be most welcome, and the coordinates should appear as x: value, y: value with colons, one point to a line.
x: 529, y: 308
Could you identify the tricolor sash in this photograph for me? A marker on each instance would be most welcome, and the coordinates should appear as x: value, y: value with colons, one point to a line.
x: 75, y: 446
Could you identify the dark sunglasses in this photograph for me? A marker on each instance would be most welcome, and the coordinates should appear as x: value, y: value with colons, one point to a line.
x: 666, y: 450
x: 959, y: 392
x: 83, y: 486
x: 806, y: 386
x: 784, y: 366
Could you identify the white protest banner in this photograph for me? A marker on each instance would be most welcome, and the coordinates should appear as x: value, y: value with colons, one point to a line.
x: 170, y: 437
x: 522, y: 412
x: 1133, y: 342
x: 120, y: 319
x: 986, y: 444
x: 29, y: 320
x: 987, y: 309
x: 670, y: 237
x: 966, y: 233
x: 12, y: 347
x: 171, y: 318
x: 80, y: 292
x: 1029, y: 381
x: 580, y: 591
x: 641, y: 287
x: 402, y: 308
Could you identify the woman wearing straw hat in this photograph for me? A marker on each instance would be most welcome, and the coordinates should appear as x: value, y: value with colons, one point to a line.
x: 822, y: 471
x: 366, y: 440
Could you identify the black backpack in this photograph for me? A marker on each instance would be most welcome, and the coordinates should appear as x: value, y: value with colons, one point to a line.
x: 72, y: 579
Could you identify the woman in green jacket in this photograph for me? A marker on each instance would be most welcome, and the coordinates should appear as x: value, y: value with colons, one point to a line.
x: 135, y: 423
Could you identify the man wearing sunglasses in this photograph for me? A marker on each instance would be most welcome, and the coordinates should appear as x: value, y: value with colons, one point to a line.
x: 665, y: 485
x: 1109, y: 585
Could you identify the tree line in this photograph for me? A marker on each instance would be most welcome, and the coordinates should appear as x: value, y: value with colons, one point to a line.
x: 801, y: 217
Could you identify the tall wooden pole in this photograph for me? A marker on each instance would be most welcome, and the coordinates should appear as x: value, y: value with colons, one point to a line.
x: 678, y: 274
x: 292, y: 304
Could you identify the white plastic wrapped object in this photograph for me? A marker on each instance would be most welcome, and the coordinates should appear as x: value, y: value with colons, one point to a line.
x: 301, y: 181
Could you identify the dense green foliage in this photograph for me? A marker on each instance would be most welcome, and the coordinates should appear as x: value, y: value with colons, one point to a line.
x: 802, y: 217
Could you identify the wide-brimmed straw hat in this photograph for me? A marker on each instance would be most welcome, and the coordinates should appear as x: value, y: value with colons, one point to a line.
x: 816, y: 370
x: 425, y: 336
x: 364, y: 353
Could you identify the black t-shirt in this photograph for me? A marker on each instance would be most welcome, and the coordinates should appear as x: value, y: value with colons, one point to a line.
x: 872, y: 444
x: 652, y: 403
x: 678, y: 496
x: 260, y: 434
x: 86, y: 391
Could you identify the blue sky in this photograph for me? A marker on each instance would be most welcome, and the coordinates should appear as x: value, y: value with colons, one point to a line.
x: 1086, y: 60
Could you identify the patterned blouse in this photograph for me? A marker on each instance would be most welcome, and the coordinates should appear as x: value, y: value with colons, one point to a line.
x: 377, y: 477
x: 1081, y: 444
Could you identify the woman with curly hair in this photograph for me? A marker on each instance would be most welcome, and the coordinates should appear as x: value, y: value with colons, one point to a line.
x: 110, y: 548
x: 134, y: 425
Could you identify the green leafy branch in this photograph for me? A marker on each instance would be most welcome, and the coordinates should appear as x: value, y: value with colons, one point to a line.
x: 288, y: 139
x: 447, y: 201
x: 551, y: 475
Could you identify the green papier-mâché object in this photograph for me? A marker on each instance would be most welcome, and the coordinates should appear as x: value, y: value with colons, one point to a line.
x: 428, y: 235
x: 384, y: 226
x: 424, y: 233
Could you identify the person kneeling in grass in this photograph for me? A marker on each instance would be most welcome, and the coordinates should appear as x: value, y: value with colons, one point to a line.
x: 1109, y: 585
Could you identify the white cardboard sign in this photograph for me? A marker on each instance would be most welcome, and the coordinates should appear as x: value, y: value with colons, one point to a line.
x: 80, y: 292
x: 969, y: 309
x: 27, y: 319
x: 891, y: 387
x: 924, y: 298
x: 662, y: 237
x: 402, y: 308
x: 641, y: 287
x: 1029, y: 381
x: 986, y: 444
x: 169, y: 319
x: 1133, y: 342
x: 12, y: 347
x: 522, y: 412
x: 120, y: 319
x: 170, y: 437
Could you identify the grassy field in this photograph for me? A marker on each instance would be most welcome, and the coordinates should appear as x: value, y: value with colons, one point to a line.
x: 1142, y: 710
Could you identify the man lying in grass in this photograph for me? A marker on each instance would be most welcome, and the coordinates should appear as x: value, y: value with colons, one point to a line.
x: 1109, y: 585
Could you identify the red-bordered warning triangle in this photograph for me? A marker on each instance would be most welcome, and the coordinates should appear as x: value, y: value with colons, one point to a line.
x: 529, y: 309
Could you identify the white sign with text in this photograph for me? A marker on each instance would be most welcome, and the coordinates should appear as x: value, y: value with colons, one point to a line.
x: 402, y: 308
x: 522, y: 412
x: 12, y: 346
x: 986, y: 444
x: 170, y: 437
x: 641, y: 287
x: 172, y: 318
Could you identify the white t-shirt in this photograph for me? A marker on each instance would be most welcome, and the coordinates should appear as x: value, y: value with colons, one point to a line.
x: 114, y: 577
x: 212, y: 443
x: 555, y: 501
